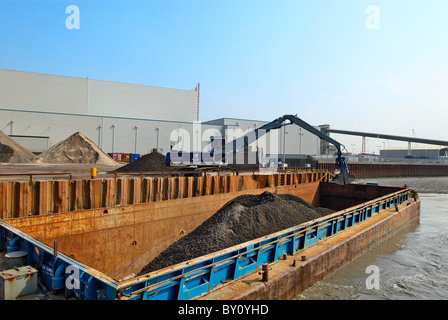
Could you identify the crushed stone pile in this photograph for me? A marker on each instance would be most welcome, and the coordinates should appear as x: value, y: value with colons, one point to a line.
x: 153, y: 161
x: 77, y: 149
x: 242, y: 219
x: 13, y: 152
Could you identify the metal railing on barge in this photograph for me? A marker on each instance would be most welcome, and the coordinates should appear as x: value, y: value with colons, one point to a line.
x: 190, y: 279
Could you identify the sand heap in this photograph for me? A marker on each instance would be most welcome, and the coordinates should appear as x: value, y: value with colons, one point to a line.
x: 12, y: 152
x: 76, y: 149
x: 153, y: 161
x: 242, y: 219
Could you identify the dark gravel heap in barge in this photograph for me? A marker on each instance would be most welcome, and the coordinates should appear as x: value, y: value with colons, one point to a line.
x: 153, y: 161
x: 242, y: 219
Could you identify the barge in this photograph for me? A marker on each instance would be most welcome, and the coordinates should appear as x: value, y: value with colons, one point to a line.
x: 94, y: 254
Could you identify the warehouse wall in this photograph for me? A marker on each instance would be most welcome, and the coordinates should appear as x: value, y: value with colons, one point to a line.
x: 39, y: 92
x: 120, y: 135
x: 28, y: 91
x: 300, y: 141
x: 137, y: 101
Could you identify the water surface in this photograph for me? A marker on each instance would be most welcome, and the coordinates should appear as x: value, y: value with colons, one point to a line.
x: 412, y: 264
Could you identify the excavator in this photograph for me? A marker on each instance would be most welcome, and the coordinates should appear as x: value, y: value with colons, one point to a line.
x: 342, y: 173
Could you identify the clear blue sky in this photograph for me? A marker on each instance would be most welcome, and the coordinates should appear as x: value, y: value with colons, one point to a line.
x: 254, y: 59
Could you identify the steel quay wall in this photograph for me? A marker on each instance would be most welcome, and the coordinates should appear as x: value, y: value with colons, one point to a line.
x: 292, y: 275
x: 374, y: 170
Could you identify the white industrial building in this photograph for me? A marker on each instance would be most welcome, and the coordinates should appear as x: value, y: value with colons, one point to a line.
x: 39, y: 110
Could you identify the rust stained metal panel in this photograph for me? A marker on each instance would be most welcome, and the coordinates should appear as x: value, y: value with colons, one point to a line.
x: 5, y: 200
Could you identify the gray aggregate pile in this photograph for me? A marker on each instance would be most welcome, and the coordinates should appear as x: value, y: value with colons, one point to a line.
x: 153, y: 161
x: 242, y: 219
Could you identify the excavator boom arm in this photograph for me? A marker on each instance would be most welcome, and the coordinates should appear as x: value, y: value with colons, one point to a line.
x: 310, y: 128
x: 277, y: 124
x: 344, y: 176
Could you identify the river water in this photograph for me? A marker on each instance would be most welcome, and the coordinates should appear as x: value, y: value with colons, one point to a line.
x: 410, y: 265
